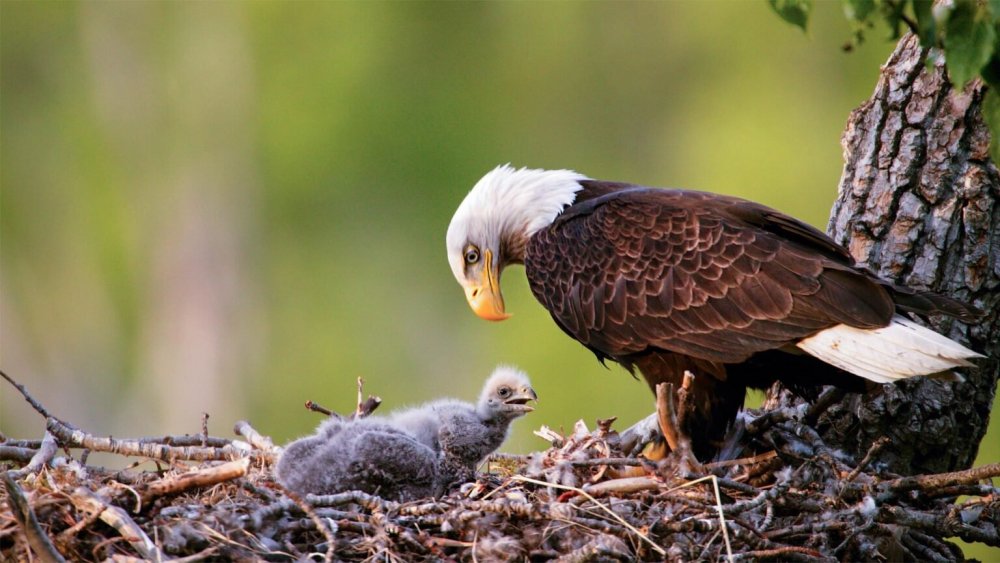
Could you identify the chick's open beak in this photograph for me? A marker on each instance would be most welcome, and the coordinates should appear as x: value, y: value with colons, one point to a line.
x: 485, y: 297
x: 518, y: 402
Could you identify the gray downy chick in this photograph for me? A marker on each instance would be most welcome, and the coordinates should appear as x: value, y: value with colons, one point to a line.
x: 503, y: 398
x: 363, y: 455
x: 409, y: 454
x: 466, y: 436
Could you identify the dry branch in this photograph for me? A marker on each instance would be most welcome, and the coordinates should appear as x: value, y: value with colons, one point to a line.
x: 256, y: 439
x: 25, y: 517
x: 941, y: 480
x: 205, y: 477
x: 367, y: 406
x: 46, y: 451
x: 87, y: 501
x: 316, y: 407
x: 69, y: 436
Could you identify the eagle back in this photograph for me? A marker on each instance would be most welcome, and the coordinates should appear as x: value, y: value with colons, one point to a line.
x: 627, y: 268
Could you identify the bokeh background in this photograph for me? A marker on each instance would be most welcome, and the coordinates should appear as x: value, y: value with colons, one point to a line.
x: 234, y: 207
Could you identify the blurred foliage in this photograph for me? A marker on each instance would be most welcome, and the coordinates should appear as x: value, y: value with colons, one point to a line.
x: 966, y: 30
x: 235, y: 207
x: 795, y: 12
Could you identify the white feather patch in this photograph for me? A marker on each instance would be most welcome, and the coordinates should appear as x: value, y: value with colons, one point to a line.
x: 902, y: 349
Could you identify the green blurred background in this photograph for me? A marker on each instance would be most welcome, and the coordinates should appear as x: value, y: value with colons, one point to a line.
x: 234, y: 207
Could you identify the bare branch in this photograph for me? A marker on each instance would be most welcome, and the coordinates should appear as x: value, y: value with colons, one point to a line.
x: 25, y: 517
x: 43, y: 456
x: 205, y: 477
x: 256, y: 439
x: 86, y: 500
x: 69, y: 436
x: 27, y: 397
x: 316, y: 407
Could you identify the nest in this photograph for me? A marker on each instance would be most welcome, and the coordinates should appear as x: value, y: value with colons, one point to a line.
x: 203, y: 497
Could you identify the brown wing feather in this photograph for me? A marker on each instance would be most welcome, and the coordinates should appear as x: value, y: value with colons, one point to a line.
x: 711, y: 277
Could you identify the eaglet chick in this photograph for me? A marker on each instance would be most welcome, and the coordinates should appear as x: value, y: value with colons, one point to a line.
x: 363, y: 455
x: 414, y: 453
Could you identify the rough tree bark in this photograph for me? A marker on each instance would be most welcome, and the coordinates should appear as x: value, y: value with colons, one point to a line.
x: 919, y: 204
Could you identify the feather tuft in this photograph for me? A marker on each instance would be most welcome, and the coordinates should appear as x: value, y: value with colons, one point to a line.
x: 900, y: 350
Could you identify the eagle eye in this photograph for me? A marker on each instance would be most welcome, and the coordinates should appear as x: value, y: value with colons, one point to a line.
x: 471, y: 255
x: 504, y: 392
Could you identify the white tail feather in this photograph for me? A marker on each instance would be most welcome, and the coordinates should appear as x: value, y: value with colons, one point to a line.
x: 902, y: 349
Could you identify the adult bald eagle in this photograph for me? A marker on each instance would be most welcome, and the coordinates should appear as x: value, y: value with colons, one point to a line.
x: 671, y: 280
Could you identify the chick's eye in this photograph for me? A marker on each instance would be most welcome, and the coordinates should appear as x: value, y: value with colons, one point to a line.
x: 504, y: 392
x: 472, y: 256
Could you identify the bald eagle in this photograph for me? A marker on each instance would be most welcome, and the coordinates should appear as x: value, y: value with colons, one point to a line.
x: 665, y: 281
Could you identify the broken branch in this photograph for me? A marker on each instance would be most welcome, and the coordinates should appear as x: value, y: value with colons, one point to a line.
x: 205, y: 477
x: 25, y: 517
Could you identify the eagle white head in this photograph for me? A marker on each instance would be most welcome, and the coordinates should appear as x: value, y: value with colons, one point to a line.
x: 491, y: 228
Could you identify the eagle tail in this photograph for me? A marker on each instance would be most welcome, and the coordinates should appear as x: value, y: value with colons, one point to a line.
x: 883, y: 355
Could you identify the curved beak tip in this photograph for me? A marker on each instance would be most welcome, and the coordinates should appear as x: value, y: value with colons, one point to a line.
x: 486, y: 304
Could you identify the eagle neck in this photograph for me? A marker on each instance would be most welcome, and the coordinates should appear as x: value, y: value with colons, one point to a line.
x: 528, y: 201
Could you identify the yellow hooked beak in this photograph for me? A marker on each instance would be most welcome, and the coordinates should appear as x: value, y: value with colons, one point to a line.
x: 485, y: 298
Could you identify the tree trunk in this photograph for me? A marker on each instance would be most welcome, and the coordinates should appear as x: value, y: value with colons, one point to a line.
x: 918, y: 204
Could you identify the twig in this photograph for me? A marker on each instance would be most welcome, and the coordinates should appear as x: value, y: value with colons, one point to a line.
x: 556, y: 439
x: 672, y: 411
x: 256, y: 439
x: 500, y: 456
x: 361, y: 386
x: 316, y: 407
x: 371, y: 502
x: 67, y: 535
x: 85, y: 499
x: 328, y: 533
x: 604, y: 547
x: 666, y: 415
x: 623, y: 486
x: 202, y: 555
x: 928, y: 482
x: 70, y: 436
x: 367, y: 406
x: 875, y: 448
x: 942, y: 526
x: 29, y: 444
x: 198, y: 478
x: 765, y: 421
x: 615, y: 515
x: 188, y: 440
x: 25, y: 516
x: 628, y: 461
x: 718, y: 506
x: 833, y: 524
x: 722, y: 519
x: 27, y: 397
x: 204, y: 429
x: 752, y: 460
x: 780, y: 553
x: 43, y: 456
x: 826, y: 399
x: 16, y: 453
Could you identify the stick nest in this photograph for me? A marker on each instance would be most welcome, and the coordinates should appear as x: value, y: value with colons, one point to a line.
x: 203, y: 497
